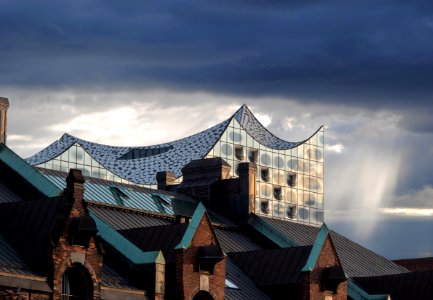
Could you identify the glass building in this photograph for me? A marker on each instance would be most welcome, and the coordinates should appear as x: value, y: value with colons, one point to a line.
x: 289, y: 175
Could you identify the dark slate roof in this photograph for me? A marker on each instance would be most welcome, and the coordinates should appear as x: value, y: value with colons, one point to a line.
x: 234, y: 240
x: 356, y: 260
x: 139, y: 198
x: 273, y: 267
x: 118, y: 218
x: 8, y: 195
x: 246, y: 288
x: 414, y: 285
x: 29, y: 226
x: 143, y: 170
x: 11, y: 261
x: 111, y: 277
x: 157, y: 238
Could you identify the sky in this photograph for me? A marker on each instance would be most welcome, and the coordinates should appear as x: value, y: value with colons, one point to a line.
x: 145, y: 72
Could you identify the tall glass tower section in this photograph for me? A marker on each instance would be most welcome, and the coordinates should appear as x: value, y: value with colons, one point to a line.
x: 289, y: 181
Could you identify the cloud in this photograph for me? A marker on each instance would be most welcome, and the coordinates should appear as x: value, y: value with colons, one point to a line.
x: 408, y: 212
x: 142, y: 72
x: 337, y: 148
x: 422, y: 199
x: 335, y: 52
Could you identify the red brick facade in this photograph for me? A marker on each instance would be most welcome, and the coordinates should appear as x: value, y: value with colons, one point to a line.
x: 65, y: 254
x: 313, y: 280
x: 190, y: 280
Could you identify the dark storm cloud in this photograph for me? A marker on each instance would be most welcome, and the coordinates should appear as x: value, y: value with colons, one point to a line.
x: 365, y: 52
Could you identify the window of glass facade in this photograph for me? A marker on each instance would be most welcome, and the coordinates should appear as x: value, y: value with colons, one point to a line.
x: 77, y: 158
x: 289, y: 182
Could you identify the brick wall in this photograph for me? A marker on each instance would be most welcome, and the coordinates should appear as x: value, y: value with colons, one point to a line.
x: 189, y: 279
x: 65, y: 255
x: 312, y: 280
x: 12, y: 294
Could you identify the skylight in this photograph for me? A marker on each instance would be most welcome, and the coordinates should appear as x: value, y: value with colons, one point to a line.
x: 231, y: 285
x: 146, y: 152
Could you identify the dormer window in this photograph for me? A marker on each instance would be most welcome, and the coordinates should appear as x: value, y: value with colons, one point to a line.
x: 81, y: 230
x: 118, y: 195
x: 208, y: 257
x: 331, y: 278
x: 161, y: 200
x: 161, y: 203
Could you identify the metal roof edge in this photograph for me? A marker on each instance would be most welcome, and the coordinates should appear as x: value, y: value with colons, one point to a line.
x: 28, y: 172
x: 124, y: 246
x: 270, y: 232
x: 357, y: 293
x: 317, y: 247
x: 192, y: 227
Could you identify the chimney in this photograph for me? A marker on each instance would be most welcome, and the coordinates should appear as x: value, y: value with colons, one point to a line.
x: 4, y: 105
x: 165, y: 180
x: 247, y: 181
x: 75, y: 188
x: 200, y: 175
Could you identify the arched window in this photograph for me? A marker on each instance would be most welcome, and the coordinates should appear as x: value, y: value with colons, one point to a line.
x: 203, y: 295
x: 76, y: 283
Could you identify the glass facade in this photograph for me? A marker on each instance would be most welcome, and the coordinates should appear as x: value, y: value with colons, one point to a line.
x: 289, y: 182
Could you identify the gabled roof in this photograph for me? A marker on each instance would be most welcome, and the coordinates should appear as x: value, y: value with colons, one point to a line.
x: 317, y: 248
x: 232, y: 239
x: 355, y: 259
x: 273, y: 267
x: 199, y: 214
x: 172, y: 155
x: 27, y: 172
x: 123, y: 246
x: 164, y: 238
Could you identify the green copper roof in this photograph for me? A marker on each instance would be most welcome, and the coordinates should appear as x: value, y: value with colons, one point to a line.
x: 271, y: 232
x: 192, y: 227
x: 317, y: 247
x: 30, y: 174
x: 124, y: 246
x: 357, y: 293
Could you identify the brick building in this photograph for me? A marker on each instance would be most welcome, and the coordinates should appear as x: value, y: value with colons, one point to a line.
x: 200, y: 234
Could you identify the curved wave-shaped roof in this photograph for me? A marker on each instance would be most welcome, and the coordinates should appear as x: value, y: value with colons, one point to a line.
x: 176, y: 154
x: 141, y: 170
x: 259, y: 132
